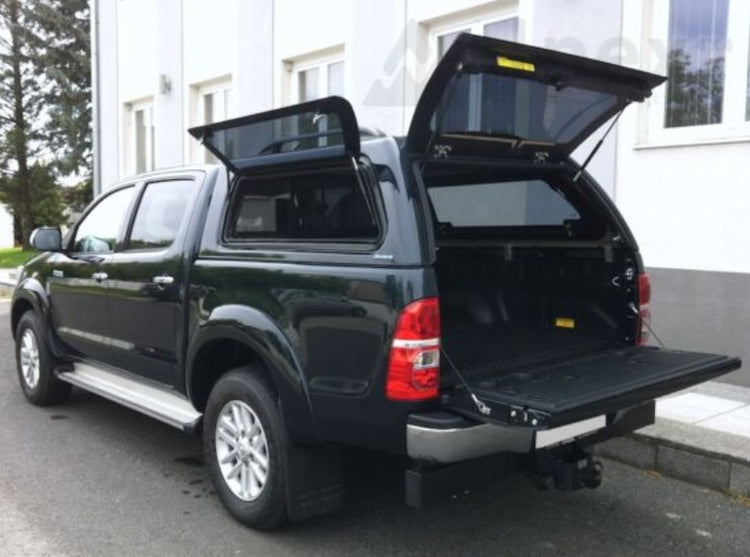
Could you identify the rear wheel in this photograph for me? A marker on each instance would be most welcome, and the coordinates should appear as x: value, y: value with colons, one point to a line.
x: 35, y: 364
x: 245, y: 443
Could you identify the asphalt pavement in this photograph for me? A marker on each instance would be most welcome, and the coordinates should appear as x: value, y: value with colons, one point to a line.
x: 92, y: 478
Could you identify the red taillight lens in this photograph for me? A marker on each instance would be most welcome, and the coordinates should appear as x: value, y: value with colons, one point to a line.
x: 644, y: 312
x: 644, y: 289
x: 414, y: 365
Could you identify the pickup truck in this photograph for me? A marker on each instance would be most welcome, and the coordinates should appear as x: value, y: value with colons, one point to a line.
x: 466, y: 296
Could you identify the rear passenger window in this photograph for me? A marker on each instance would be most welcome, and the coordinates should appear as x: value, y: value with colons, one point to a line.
x: 160, y: 212
x: 328, y: 205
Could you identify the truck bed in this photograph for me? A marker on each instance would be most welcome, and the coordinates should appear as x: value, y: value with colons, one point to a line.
x: 491, y: 351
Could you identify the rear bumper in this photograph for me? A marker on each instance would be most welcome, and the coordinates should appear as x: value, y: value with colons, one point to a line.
x: 443, y: 437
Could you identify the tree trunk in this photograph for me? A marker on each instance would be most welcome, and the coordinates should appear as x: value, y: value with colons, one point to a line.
x: 20, y: 141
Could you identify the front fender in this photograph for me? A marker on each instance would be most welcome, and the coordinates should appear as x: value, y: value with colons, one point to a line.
x: 259, y: 332
x: 31, y: 294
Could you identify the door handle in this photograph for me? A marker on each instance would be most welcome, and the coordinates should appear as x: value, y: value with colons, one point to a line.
x: 99, y: 277
x: 163, y: 280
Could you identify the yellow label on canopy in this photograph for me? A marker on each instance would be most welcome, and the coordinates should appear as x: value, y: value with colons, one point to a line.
x: 565, y: 323
x: 504, y: 62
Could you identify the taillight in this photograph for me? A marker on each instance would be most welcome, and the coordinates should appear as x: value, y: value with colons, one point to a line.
x: 644, y: 312
x: 414, y: 365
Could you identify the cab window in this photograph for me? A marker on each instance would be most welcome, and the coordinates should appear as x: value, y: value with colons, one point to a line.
x: 160, y: 213
x: 98, y: 231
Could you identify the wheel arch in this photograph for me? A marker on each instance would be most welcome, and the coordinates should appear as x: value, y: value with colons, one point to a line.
x: 235, y: 336
x: 29, y: 295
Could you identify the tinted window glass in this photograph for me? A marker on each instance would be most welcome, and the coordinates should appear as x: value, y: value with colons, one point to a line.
x: 160, y: 213
x: 522, y: 203
x: 298, y: 132
x: 520, y: 108
x: 98, y: 231
x: 320, y: 206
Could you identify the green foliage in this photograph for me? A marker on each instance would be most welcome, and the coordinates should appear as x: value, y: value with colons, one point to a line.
x: 45, y: 106
x: 77, y: 198
x: 47, y: 208
x: 10, y: 258
x: 64, y: 57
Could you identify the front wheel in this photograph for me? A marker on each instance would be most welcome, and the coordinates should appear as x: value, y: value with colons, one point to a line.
x: 35, y: 364
x: 245, y: 445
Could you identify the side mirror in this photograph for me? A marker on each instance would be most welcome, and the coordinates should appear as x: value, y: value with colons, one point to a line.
x: 46, y: 238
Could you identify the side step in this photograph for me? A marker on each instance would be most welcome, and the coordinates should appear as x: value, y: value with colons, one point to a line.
x: 161, y: 404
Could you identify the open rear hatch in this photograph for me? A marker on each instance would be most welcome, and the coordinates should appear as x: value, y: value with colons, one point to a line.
x: 489, y: 97
x: 496, y: 99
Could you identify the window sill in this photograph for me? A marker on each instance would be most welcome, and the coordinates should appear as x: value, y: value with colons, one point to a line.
x: 664, y: 143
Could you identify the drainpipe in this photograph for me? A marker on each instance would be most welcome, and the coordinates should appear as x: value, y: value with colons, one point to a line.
x: 95, y: 101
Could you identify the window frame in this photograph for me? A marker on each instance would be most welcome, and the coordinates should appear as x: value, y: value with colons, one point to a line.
x: 473, y: 23
x: 196, y: 153
x: 734, y: 125
x: 124, y: 225
x: 320, y: 61
x: 368, y: 184
x: 123, y: 246
x: 130, y: 159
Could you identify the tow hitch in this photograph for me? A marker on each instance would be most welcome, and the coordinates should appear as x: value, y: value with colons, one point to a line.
x: 567, y: 468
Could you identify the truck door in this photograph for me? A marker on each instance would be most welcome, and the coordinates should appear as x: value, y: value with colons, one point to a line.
x: 78, y: 282
x: 146, y: 278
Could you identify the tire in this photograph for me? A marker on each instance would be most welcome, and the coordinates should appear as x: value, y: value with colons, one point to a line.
x: 242, y: 402
x: 35, y: 365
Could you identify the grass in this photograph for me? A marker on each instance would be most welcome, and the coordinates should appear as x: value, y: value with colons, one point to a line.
x: 13, y: 257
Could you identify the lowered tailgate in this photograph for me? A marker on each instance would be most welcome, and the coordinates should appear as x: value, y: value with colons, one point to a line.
x: 560, y: 393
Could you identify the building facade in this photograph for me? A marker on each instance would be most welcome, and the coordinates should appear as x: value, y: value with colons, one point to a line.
x: 675, y: 165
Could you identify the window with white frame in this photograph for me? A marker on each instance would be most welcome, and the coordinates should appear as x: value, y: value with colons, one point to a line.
x: 500, y: 22
x: 505, y: 28
x: 211, y: 101
x: 315, y: 77
x: 705, y: 57
x: 139, y: 137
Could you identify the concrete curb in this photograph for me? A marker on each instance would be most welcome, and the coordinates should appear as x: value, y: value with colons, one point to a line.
x: 665, y: 448
x: 6, y: 288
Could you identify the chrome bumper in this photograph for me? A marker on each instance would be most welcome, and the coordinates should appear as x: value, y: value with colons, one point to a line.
x: 445, y: 444
x: 444, y: 438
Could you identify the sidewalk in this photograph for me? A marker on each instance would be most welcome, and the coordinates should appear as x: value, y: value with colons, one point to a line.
x: 7, y: 282
x: 701, y: 435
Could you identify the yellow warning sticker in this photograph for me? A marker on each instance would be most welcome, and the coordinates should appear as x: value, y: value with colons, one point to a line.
x: 504, y: 62
x: 565, y: 323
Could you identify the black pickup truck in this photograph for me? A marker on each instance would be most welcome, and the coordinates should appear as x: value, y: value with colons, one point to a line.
x: 466, y: 296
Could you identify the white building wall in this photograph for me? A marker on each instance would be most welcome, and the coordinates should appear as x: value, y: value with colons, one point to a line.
x: 687, y: 201
x: 137, y: 65
x: 7, y: 239
x: 169, y: 98
x: 108, y: 90
x: 255, y: 73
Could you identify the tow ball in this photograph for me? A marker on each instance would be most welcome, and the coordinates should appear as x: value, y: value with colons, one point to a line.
x: 567, y: 468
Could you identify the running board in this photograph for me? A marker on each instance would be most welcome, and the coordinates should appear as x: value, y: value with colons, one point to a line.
x: 163, y: 405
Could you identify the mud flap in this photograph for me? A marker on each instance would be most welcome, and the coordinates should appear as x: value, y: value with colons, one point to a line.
x: 315, y: 481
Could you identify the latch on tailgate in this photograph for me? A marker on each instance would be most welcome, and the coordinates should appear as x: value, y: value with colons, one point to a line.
x: 518, y: 415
